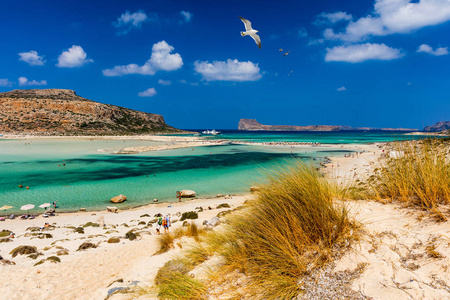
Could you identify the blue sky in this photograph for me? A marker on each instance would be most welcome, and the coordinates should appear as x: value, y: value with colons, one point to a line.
x: 377, y: 63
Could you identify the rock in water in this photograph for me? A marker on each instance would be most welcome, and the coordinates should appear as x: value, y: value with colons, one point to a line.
x: 119, y: 199
x: 187, y: 194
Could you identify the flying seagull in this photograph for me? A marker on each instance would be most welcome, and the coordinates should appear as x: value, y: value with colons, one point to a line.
x: 281, y: 49
x: 286, y: 53
x: 250, y: 31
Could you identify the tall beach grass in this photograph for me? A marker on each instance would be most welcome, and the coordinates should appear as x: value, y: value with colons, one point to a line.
x: 294, y: 226
x: 419, y: 174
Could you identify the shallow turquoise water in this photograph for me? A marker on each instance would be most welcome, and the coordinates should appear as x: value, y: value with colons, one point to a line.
x: 90, y: 178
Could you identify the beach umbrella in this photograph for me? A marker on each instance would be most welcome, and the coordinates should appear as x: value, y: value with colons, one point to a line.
x: 45, y: 205
x: 27, y: 207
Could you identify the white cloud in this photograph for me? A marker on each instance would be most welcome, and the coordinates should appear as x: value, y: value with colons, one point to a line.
x: 394, y: 16
x: 326, y: 18
x: 362, y: 52
x: 73, y: 57
x: 230, y: 70
x: 23, y: 81
x: 164, y: 82
x: 161, y: 59
x: 186, y: 16
x: 427, y: 49
x: 341, y: 89
x: 127, y: 21
x: 32, y: 58
x: 5, y: 82
x: 302, y: 32
x: 148, y: 93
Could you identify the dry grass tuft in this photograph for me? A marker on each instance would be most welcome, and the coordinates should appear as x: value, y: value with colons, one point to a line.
x: 419, y: 175
x: 292, y: 228
x: 167, y: 240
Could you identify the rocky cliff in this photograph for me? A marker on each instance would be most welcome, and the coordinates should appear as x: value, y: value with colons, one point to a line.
x: 253, y: 125
x: 63, y: 112
x: 439, y: 126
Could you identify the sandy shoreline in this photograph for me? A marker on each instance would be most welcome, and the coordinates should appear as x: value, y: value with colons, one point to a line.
x: 87, y: 274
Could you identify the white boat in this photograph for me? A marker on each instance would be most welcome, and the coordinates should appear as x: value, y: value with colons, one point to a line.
x: 211, y: 132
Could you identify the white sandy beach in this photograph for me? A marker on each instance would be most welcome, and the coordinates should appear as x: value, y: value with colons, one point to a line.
x: 87, y: 274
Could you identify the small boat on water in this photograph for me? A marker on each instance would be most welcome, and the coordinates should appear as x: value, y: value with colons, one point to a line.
x: 211, y: 132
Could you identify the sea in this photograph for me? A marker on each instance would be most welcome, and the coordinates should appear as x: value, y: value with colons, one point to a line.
x: 85, y: 173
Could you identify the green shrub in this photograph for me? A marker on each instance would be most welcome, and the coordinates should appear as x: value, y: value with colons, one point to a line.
x: 189, y: 215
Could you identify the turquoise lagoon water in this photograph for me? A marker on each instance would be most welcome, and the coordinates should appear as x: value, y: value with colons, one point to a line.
x: 90, y: 178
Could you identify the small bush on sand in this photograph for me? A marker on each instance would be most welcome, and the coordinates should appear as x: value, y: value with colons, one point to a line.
x: 54, y: 259
x: 4, y: 233
x: 86, y: 245
x: 79, y: 230
x: 114, y: 240
x: 223, y: 205
x: 189, y: 215
x: 23, y: 250
x: 90, y: 224
x: 131, y: 235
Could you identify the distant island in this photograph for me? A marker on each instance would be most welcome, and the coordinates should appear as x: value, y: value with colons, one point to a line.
x: 438, y: 127
x: 63, y: 112
x: 254, y: 125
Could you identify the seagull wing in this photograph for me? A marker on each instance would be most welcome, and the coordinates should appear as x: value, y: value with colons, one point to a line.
x: 257, y: 39
x: 247, y: 23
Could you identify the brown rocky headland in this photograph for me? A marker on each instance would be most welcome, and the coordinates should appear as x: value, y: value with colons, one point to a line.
x: 63, y: 112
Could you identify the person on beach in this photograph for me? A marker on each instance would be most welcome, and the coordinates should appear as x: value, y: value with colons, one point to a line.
x: 179, y: 196
x: 54, y: 204
x: 166, y: 223
x: 159, y: 224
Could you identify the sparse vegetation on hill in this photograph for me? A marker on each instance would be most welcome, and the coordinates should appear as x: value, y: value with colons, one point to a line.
x: 63, y: 112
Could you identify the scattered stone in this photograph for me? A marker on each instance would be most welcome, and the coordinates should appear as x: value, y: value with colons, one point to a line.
x: 227, y: 197
x: 112, y: 209
x: 114, y: 240
x: 219, y: 195
x: 155, y: 200
x: 119, y: 199
x: 187, y: 194
x: 213, y: 222
x: 82, y: 209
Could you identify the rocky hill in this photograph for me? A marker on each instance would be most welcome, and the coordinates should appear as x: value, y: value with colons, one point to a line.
x: 253, y: 125
x: 439, y: 126
x: 63, y: 112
